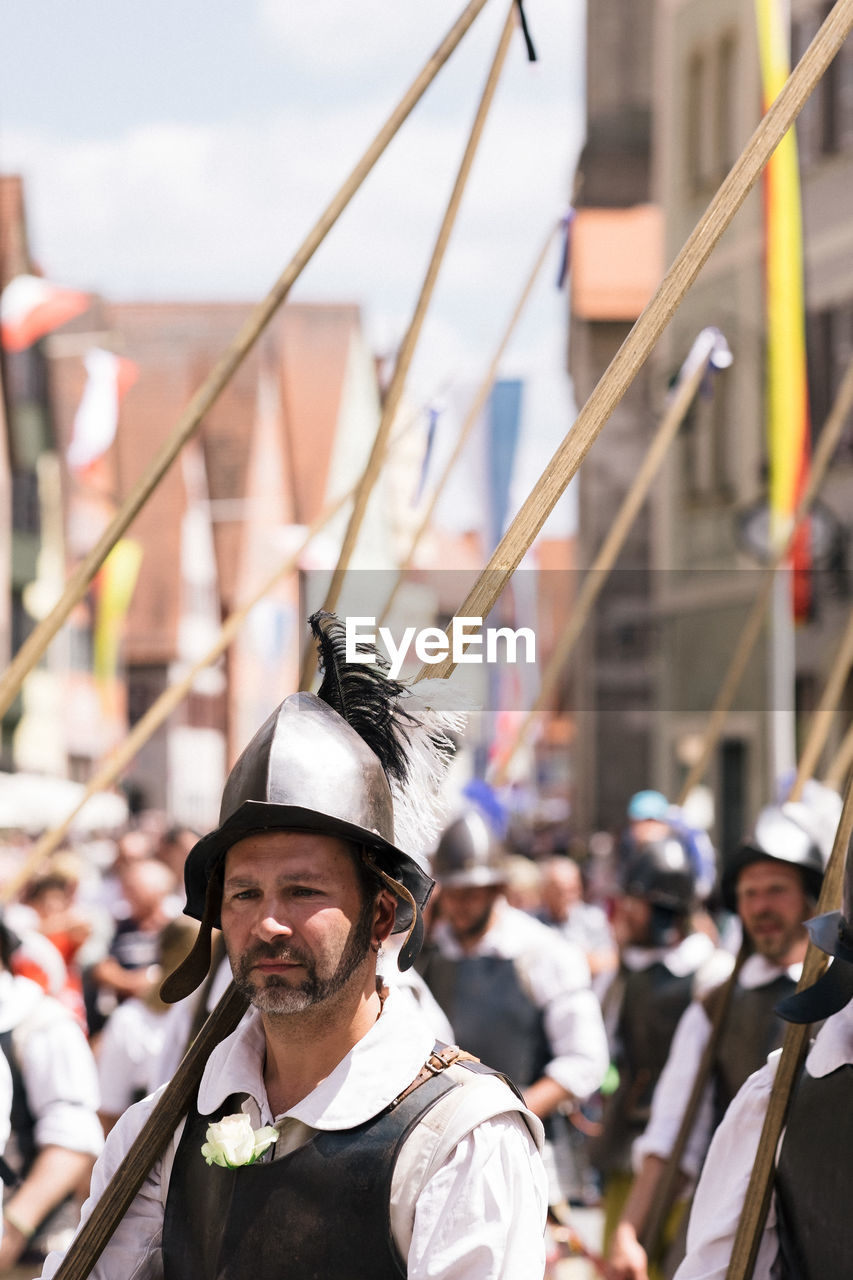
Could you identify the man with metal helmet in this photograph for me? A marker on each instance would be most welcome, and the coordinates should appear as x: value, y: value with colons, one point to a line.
x: 513, y: 989
x: 772, y: 881
x: 329, y: 1135
x: 663, y: 965
x: 807, y: 1231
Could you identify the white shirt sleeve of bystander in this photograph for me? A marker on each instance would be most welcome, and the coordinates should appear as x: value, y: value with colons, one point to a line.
x: 722, y: 1188
x: 61, y: 1081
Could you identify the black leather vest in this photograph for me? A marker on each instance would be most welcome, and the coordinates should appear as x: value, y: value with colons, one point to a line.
x: 752, y: 1030
x: 653, y: 1001
x: 815, y: 1225
x: 491, y: 1014
x: 322, y: 1212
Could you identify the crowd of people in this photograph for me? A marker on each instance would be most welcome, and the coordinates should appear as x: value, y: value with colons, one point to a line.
x: 422, y: 1078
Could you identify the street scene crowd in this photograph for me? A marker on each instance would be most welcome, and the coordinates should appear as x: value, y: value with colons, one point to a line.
x: 589, y: 974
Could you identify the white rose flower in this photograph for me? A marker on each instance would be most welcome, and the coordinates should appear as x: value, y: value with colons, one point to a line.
x: 232, y: 1142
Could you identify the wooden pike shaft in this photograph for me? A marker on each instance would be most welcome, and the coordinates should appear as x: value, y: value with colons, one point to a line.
x: 755, y: 620
x: 409, y: 344
x: 656, y: 316
x: 189, y: 422
x: 470, y: 420
x: 759, y: 1190
x: 120, y: 757
x: 597, y: 574
x: 841, y: 762
x: 821, y: 721
x: 95, y: 1234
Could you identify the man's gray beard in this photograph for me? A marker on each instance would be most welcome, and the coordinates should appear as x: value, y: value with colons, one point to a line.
x: 277, y: 996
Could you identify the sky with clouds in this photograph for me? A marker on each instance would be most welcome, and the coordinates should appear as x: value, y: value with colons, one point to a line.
x: 184, y: 150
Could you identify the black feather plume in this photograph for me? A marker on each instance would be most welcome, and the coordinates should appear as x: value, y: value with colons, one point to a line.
x: 362, y: 693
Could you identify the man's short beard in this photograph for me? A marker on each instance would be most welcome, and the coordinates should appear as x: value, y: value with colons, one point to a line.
x: 277, y: 996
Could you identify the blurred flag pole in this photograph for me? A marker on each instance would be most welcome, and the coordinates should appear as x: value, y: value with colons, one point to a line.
x: 189, y: 422
x: 408, y: 346
x: 841, y: 762
x: 821, y: 721
x: 476, y: 408
x: 708, y: 346
x: 787, y: 410
x: 636, y: 348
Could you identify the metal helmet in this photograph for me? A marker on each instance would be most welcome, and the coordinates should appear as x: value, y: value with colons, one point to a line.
x: 468, y: 854
x: 832, y: 933
x: 782, y: 833
x: 308, y: 768
x: 661, y: 872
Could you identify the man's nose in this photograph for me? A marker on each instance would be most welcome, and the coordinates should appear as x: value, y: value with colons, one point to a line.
x: 270, y: 925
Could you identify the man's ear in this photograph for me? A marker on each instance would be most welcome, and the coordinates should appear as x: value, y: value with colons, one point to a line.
x: 384, y: 914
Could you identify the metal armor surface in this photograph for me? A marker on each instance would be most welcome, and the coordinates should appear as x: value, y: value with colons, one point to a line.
x: 815, y: 1226
x: 491, y: 1014
x: 322, y: 1210
x: 752, y: 1031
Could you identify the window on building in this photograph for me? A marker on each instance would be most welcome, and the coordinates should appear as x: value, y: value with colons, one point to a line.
x: 825, y: 124
x: 711, y: 136
x: 707, y: 454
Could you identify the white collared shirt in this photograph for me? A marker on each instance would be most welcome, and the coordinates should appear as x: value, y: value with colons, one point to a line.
x: 725, y: 1177
x: 469, y: 1194
x: 555, y: 975
x: 675, y: 1085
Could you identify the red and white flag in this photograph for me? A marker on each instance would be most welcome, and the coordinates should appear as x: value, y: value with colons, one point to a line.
x: 30, y: 307
x: 109, y: 378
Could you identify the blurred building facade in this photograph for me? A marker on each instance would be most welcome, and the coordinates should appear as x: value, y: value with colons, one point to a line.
x: 703, y: 103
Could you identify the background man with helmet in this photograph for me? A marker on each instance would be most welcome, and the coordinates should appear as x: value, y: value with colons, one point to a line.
x: 808, y: 1229
x: 515, y: 992
x: 663, y: 965
x: 772, y: 882
x: 366, y: 1151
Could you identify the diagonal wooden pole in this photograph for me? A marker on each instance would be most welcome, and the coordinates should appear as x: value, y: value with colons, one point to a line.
x: 468, y: 424
x: 758, y: 1193
x: 821, y: 721
x: 117, y: 760
x: 598, y: 572
x: 841, y: 762
x: 752, y: 628
x: 655, y: 317
x: 412, y: 335
x: 189, y: 422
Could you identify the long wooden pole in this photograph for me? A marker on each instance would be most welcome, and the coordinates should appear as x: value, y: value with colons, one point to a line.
x: 652, y: 322
x: 120, y: 757
x: 841, y: 761
x: 189, y: 422
x: 468, y: 424
x: 413, y: 333
x: 758, y: 1193
x: 598, y: 572
x: 756, y: 617
x: 821, y: 721
x: 90, y: 1241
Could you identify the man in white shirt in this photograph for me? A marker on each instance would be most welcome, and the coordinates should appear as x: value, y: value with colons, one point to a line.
x: 772, y: 881
x: 362, y: 1152
x: 56, y: 1134
x: 664, y: 964
x: 808, y: 1230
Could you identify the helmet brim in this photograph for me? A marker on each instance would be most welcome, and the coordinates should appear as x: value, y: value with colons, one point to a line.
x: 832, y: 991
